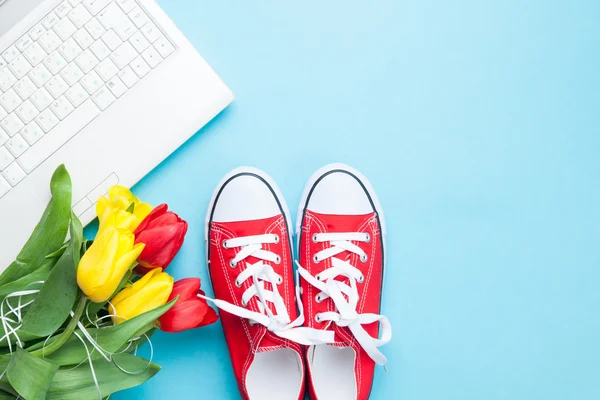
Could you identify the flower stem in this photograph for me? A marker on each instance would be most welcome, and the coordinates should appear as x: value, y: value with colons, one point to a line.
x: 66, y: 334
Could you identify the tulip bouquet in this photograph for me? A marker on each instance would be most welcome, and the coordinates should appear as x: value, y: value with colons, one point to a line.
x: 74, y: 311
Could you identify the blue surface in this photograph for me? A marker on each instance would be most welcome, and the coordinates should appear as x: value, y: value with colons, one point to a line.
x: 479, y: 126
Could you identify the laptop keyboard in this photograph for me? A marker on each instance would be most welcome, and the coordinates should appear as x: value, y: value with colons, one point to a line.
x: 70, y: 67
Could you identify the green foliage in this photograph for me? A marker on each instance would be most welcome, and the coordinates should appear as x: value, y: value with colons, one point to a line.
x: 30, y: 376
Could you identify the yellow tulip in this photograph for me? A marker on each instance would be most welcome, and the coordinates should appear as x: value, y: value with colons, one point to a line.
x: 113, y: 211
x: 151, y: 291
x: 104, y: 264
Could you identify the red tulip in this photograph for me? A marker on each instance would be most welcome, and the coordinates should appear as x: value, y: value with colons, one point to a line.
x: 190, y: 311
x: 162, y: 232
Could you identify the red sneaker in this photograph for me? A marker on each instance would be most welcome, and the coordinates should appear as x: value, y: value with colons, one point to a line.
x: 251, y: 268
x: 341, y: 250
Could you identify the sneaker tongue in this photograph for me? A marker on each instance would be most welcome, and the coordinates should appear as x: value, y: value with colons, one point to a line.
x: 252, y: 227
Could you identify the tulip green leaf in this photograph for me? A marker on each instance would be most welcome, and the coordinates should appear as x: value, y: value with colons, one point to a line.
x: 78, y: 383
x: 6, y: 396
x: 50, y: 233
x: 57, y: 296
x: 30, y: 376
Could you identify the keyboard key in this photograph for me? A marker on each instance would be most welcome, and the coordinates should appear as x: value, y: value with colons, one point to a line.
x: 5, y: 158
x: 112, y: 40
x: 34, y: 54
x: 17, y: 146
x: 19, y: 66
x: 71, y: 74
x: 55, y: 62
x: 124, y: 55
x: 152, y: 57
x: 95, y: 6
x: 139, y: 42
x: 61, y: 108
x: 12, y: 124
x: 128, y: 77
x: 10, y: 54
x: 63, y: 9
x: 117, y: 87
x: 107, y: 69
x: 50, y: 41
x: 77, y: 95
x: 82, y: 206
x: 86, y: 61
x: 2, y: 63
x: 83, y: 38
x: 112, y: 17
x: 75, y: 3
x: 139, y: 17
x: 151, y: 32
x: 95, y: 29
x: 100, y: 50
x: 3, y: 137
x: 4, y: 186
x: 140, y: 67
x: 103, y: 187
x: 103, y: 98
x: 7, y: 79
x: 10, y: 100
x: 92, y: 82
x: 68, y: 128
x: 50, y: 20
x: 40, y: 75
x: 65, y: 29
x: 2, y: 115
x: 25, y: 88
x: 126, y: 5
x: 57, y: 86
x: 164, y: 47
x: 79, y: 16
x: 23, y: 43
x: 70, y: 50
x: 32, y: 133
x: 27, y: 112
x: 37, y: 31
x: 41, y: 99
x: 13, y: 174
x: 46, y: 120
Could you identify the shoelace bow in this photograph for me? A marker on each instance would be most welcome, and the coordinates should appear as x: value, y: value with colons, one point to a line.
x: 279, y: 323
x: 345, y: 297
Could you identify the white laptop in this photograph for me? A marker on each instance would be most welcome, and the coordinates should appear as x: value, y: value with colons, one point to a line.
x: 110, y: 88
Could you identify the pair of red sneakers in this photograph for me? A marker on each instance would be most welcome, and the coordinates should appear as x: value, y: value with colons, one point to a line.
x: 324, y: 331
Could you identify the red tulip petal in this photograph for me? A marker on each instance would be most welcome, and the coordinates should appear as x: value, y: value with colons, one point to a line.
x: 209, y: 318
x: 183, y: 316
x: 185, y: 289
x: 158, y: 210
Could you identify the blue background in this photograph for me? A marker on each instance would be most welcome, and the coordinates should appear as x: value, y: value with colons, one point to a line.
x: 477, y: 122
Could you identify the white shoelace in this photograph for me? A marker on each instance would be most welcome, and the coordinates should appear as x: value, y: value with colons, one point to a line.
x: 330, y: 287
x: 260, y: 273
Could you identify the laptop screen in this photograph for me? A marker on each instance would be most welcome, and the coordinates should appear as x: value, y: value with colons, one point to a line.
x: 12, y: 11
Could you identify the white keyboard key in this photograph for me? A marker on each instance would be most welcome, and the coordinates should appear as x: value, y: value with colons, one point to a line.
x: 37, y: 31
x: 62, y: 107
x: 139, y: 42
x: 25, y: 88
x: 124, y: 55
x: 10, y: 100
x: 87, y: 61
x: 50, y: 41
x: 95, y: 29
x: 2, y: 115
x: 77, y: 95
x: 7, y: 79
x: 32, y: 133
x: 3, y: 137
x: 100, y: 49
x: 112, y: 40
x: 40, y: 75
x: 70, y: 50
x: 81, y: 207
x: 23, y: 43
x: 83, y: 38
x: 17, y: 146
x: 41, y: 99
x: 27, y: 112
x: 47, y: 120
x: 12, y: 124
x: 117, y: 87
x: 140, y: 67
x: 68, y: 128
x: 5, y: 158
x: 4, y: 186
x: 103, y: 98
x: 75, y: 3
x: 107, y: 69
x: 55, y: 62
x: 139, y: 17
x: 80, y: 16
x: 2, y: 63
x: 152, y: 57
x: 128, y: 77
x: 95, y: 6
x: 65, y: 29
x: 164, y: 47
x: 57, y: 86
x: 34, y: 54
x: 126, y: 5
x: 10, y: 54
x: 112, y: 17
x: 63, y: 9
x: 19, y: 66
x: 72, y: 74
x: 92, y: 82
x: 13, y: 174
x: 151, y: 32
x: 50, y: 20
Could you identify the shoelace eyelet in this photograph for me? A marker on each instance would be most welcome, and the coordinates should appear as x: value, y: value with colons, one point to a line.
x: 318, y: 318
x: 364, y: 258
x: 318, y: 277
x: 225, y: 244
x: 238, y: 283
x: 278, y: 260
x: 316, y: 259
x: 314, y: 238
x: 244, y: 304
x: 277, y: 239
x: 361, y: 279
x: 279, y: 280
x: 232, y: 264
x: 367, y: 238
x: 318, y: 298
